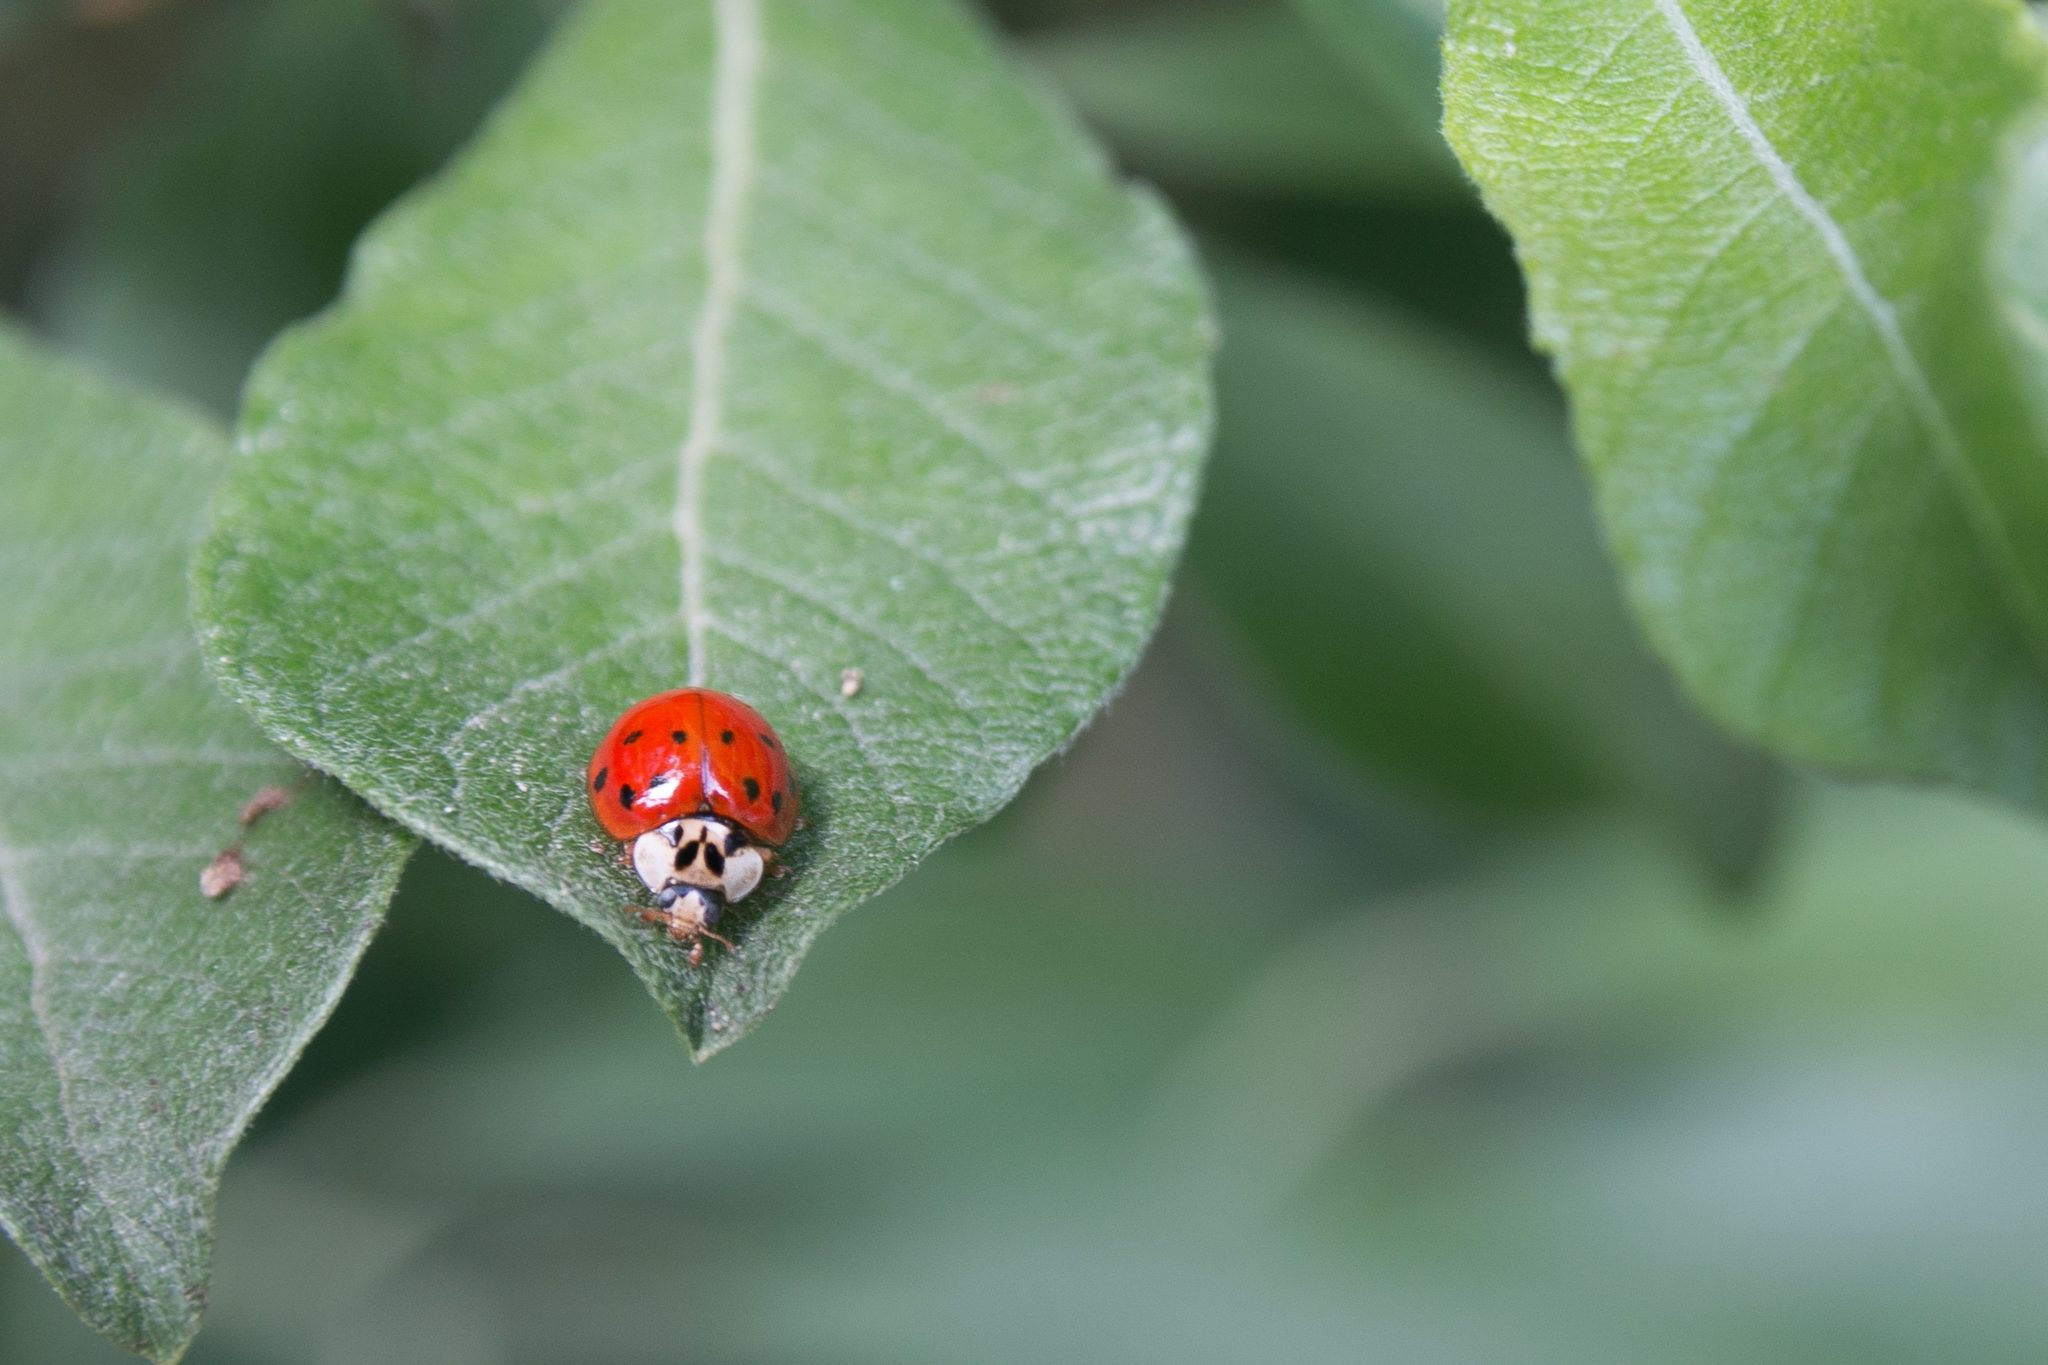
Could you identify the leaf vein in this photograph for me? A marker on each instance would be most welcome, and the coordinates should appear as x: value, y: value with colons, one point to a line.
x: 866, y: 630
x: 789, y: 486
x: 21, y: 920
x: 1978, y: 505
x: 564, y: 571
x: 735, y: 101
x: 863, y: 362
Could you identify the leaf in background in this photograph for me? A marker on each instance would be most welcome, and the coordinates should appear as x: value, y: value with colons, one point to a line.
x: 2019, y: 266
x: 230, y: 213
x: 141, y: 1023
x: 1757, y: 254
x: 1393, y: 45
x: 754, y: 342
x: 1395, y: 524
x: 1245, y: 98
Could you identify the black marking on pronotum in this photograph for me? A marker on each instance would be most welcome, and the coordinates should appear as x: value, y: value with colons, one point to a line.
x: 630, y: 738
x: 686, y: 854
x: 769, y: 740
x: 733, y: 839
x: 725, y: 736
x: 776, y: 800
x: 753, y: 789
x: 597, y: 783
x: 626, y: 795
x: 680, y: 736
x: 713, y: 859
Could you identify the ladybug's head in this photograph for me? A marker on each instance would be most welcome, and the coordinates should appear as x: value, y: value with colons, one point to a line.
x: 690, y: 909
x: 689, y: 912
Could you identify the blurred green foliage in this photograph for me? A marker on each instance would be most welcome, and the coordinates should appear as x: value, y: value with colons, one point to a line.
x: 1485, y: 1065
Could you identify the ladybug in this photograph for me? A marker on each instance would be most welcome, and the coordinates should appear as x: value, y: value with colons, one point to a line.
x: 697, y: 785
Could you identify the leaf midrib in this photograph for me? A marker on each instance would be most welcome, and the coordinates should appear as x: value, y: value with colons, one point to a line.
x: 2015, y: 587
x: 735, y: 105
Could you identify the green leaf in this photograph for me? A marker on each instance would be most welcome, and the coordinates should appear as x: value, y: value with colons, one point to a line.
x: 1375, y: 487
x: 141, y: 1023
x: 1755, y: 238
x: 752, y: 344
x: 1246, y: 98
x: 2019, y: 266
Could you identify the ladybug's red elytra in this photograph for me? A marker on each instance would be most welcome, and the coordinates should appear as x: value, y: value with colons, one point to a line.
x: 698, y: 786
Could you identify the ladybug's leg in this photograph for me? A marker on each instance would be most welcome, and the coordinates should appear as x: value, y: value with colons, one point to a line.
x: 682, y: 933
x: 710, y: 915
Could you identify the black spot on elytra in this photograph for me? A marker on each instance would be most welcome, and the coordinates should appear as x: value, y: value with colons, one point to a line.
x: 597, y: 783
x: 714, y: 860
x: 776, y: 800
x: 753, y: 789
x: 725, y: 736
x: 769, y: 740
x: 626, y: 795
x: 680, y: 736
x: 632, y: 737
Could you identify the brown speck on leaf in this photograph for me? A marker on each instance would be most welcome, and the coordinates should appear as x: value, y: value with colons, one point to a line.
x: 264, y: 802
x: 850, y: 680
x: 223, y: 874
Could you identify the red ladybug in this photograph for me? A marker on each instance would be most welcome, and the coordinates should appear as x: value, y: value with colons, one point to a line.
x: 698, y: 785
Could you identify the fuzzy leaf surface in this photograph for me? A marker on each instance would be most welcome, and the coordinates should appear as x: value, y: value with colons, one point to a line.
x: 754, y: 342
x: 141, y: 1023
x: 1755, y: 239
